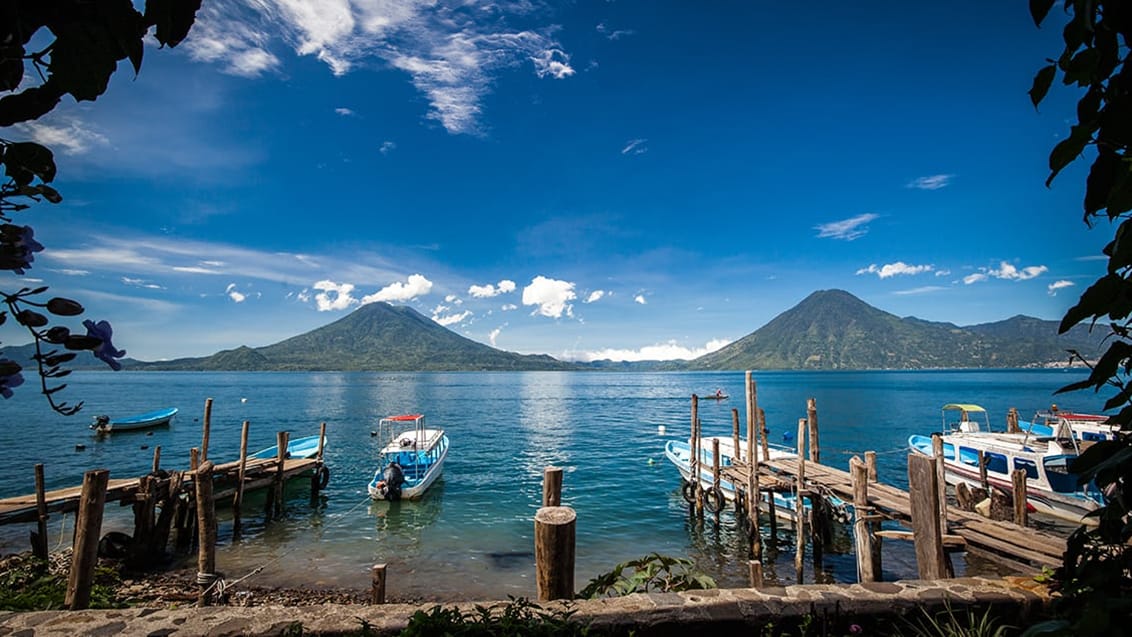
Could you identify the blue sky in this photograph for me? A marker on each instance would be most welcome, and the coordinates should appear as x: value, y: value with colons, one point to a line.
x: 593, y: 179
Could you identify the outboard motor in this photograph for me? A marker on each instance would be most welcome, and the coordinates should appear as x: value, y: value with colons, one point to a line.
x: 101, y: 423
x: 393, y: 477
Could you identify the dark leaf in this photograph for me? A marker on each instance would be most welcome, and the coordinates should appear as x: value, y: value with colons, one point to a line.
x: 11, y: 71
x: 1068, y: 149
x: 1082, y: 67
x: 50, y: 194
x: 173, y: 19
x: 39, y: 290
x: 52, y: 390
x: 127, y: 28
x: 59, y: 359
x: 31, y: 318
x: 81, y: 342
x: 28, y: 104
x: 1094, y: 302
x: 84, y: 57
x: 1119, y: 250
x: 1100, y: 179
x: 24, y: 161
x: 1098, y: 457
x: 9, y: 367
x: 57, y: 335
x: 1039, y: 9
x: 1088, y: 107
x: 1120, y: 196
x: 1042, y: 82
x: 64, y: 307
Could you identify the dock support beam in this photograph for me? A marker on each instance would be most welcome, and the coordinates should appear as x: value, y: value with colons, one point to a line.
x: 923, y: 495
x: 555, y: 529
x: 88, y: 528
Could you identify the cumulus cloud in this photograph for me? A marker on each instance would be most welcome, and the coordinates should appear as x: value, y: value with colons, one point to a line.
x: 236, y: 42
x: 594, y: 296
x: 494, y: 334
x: 659, y: 352
x: 550, y: 296
x: 333, y: 296
x: 931, y: 182
x: 487, y: 291
x: 552, y: 62
x: 635, y: 147
x: 451, y: 319
x: 344, y: 112
x: 893, y: 269
x: 846, y: 229
x: 507, y: 307
x: 640, y: 298
x: 1006, y: 272
x: 1058, y: 285
x: 387, y: 147
x: 416, y: 285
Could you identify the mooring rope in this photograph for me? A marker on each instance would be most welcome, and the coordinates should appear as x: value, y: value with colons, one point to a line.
x: 216, y: 582
x: 847, y: 452
x: 62, y: 535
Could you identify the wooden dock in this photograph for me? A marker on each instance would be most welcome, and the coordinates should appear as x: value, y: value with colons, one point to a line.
x: 259, y: 473
x: 1023, y: 546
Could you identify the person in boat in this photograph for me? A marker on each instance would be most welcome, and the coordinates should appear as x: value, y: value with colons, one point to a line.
x: 718, y: 393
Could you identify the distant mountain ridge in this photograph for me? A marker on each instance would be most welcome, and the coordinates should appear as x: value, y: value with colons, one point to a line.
x: 830, y: 329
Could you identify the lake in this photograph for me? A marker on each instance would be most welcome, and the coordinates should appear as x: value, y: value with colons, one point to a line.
x: 472, y: 535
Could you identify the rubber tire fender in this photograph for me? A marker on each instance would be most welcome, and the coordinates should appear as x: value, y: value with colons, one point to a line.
x: 688, y: 491
x: 713, y: 499
x: 323, y: 477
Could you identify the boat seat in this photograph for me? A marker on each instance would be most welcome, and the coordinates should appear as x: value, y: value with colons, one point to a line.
x: 969, y: 426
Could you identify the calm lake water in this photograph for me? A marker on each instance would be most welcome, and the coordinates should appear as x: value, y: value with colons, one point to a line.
x: 472, y: 535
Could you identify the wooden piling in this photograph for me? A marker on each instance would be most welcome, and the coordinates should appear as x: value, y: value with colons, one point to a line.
x: 194, y: 459
x: 799, y: 506
x: 755, y: 569
x: 319, y: 467
x: 552, y: 486
x: 737, y: 453
x: 377, y: 584
x: 275, y: 496
x: 694, y: 442
x: 156, y: 459
x: 555, y: 529
x: 169, y: 506
x: 206, y: 426
x: 753, y: 494
x: 206, y: 525
x: 238, y: 498
x: 716, y: 491
x: 812, y: 424
x: 923, y: 496
x: 941, y: 483
x: 1021, y: 514
x: 145, y: 504
x: 88, y: 528
x: 818, y: 535
x: 871, y: 465
x: 983, y: 471
x: 39, y: 538
x: 1012, y: 421
x: 863, y: 539
x: 764, y: 433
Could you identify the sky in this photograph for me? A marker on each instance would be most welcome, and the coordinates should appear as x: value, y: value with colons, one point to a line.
x: 592, y: 179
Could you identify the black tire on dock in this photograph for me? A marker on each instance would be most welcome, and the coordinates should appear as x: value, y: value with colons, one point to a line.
x: 713, y: 499
x: 688, y: 490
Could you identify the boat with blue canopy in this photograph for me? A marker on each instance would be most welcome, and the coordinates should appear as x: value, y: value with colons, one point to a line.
x: 104, y: 424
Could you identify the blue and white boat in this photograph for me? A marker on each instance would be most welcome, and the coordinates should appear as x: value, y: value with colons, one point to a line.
x: 411, y: 459
x: 1085, y: 427
x: 305, y: 447
x: 1050, y: 487
x: 162, y: 417
x: 679, y: 453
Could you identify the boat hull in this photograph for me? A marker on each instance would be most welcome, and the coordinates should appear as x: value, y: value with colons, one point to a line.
x: 420, y: 469
x: 150, y: 420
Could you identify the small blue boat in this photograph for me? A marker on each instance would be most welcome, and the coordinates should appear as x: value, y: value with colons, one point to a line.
x: 159, y: 418
x: 306, y: 447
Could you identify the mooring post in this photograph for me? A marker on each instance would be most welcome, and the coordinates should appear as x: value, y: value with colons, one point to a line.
x: 319, y: 467
x: 923, y: 496
x: 812, y: 424
x: 983, y: 472
x: 694, y: 442
x: 765, y: 434
x: 817, y: 523
x: 377, y: 584
x: 144, y: 509
x: 871, y: 465
x: 753, y: 494
x: 206, y: 526
x: 238, y: 498
x: 863, y: 539
x: 206, y: 425
x: 275, y: 498
x: 156, y: 459
x: 1021, y: 514
x: 799, y: 506
x: 39, y: 538
x: 755, y: 570
x: 772, y: 509
x: 194, y: 459
x: 169, y: 506
x: 941, y: 483
x: 552, y: 486
x: 736, y: 453
x: 1012, y: 421
x: 554, y: 552
x: 715, y: 475
x: 88, y: 528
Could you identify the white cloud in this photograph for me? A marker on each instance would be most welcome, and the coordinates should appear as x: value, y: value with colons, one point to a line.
x: 846, y: 229
x: 487, y: 291
x: 387, y: 147
x: 613, y: 34
x: 1010, y: 273
x: 660, y: 352
x: 416, y: 285
x: 494, y: 334
x: 453, y: 299
x: 640, y: 298
x: 927, y: 289
x: 451, y: 319
x: 234, y: 294
x: 344, y: 112
x: 71, y: 135
x: 931, y: 182
x: 974, y: 278
x: 594, y: 296
x: 1058, y: 285
x: 552, y: 297
x: 334, y: 296
x: 141, y: 283
x: 72, y: 272
x: 943, y: 272
x: 635, y: 146
x: 894, y: 269
x: 552, y: 62
x: 507, y: 307
x: 232, y: 40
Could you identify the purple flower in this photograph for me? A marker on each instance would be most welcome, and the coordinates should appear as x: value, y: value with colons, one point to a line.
x: 106, y: 351
x: 8, y: 382
x: 20, y: 249
x: 855, y: 629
